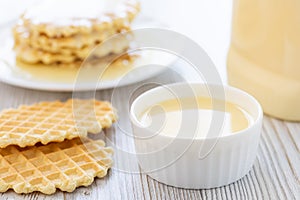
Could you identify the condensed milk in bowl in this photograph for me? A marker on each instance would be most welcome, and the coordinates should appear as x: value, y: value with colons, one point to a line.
x: 194, y: 135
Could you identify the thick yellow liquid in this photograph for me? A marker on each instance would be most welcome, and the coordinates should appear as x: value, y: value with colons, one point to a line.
x: 89, y: 72
x: 167, y: 117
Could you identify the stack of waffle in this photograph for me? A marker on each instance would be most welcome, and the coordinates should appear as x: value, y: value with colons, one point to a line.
x: 40, y: 148
x: 63, y: 32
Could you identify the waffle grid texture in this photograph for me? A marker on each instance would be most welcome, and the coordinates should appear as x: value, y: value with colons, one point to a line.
x: 65, y: 165
x: 54, y: 121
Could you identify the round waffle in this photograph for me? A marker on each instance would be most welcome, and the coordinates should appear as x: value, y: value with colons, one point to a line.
x: 65, y: 165
x: 22, y: 36
x: 32, y: 55
x: 56, y: 18
x: 54, y: 121
x: 52, y: 33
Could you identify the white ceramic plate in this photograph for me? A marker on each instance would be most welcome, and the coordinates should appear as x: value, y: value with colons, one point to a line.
x: 41, y: 78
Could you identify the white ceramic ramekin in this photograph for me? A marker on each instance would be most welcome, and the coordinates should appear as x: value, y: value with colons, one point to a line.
x: 202, y: 162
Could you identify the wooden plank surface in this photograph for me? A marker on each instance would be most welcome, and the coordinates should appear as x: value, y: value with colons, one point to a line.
x: 275, y: 174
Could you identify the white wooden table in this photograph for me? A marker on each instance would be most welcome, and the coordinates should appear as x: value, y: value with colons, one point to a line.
x: 275, y: 174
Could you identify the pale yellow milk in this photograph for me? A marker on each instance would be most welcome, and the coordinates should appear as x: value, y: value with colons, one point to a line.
x: 193, y: 116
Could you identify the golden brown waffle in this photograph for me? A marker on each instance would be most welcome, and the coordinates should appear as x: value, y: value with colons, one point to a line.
x: 31, y: 55
x: 69, y: 35
x: 65, y: 165
x: 76, y: 64
x: 22, y: 36
x: 54, y: 121
x: 81, y: 18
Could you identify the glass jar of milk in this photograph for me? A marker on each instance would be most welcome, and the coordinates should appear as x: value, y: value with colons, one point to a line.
x: 264, y: 56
